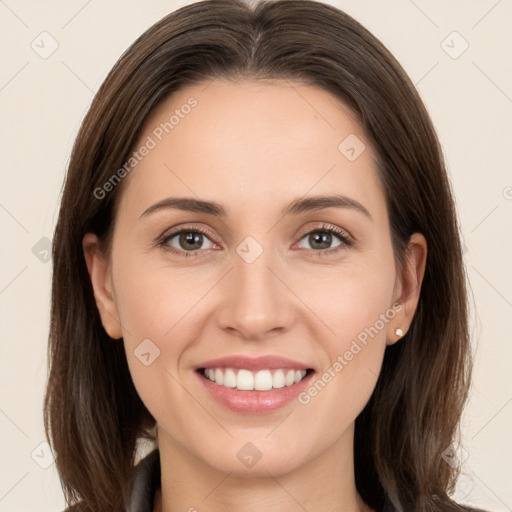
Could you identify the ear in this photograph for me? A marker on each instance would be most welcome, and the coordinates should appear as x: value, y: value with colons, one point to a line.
x: 99, y: 269
x: 408, y: 287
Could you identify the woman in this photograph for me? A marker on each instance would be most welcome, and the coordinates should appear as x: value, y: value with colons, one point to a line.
x: 257, y: 265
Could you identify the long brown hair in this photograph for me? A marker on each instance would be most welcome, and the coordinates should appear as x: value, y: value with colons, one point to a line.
x: 92, y: 412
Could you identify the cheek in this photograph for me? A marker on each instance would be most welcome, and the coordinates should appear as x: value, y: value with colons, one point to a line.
x: 349, y: 301
x: 355, y: 310
x: 154, y: 302
x: 162, y: 314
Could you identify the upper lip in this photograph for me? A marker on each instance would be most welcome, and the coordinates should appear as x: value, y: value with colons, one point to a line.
x: 269, y: 362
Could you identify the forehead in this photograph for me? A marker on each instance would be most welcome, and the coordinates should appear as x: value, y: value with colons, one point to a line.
x: 253, y: 143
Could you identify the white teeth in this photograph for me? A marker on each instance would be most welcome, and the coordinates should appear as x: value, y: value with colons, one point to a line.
x: 247, y: 380
x: 219, y: 377
x: 230, y: 378
x: 278, y: 379
x: 290, y: 378
x: 263, y: 381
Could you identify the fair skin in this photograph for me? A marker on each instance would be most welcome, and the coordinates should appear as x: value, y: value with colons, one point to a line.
x: 254, y: 147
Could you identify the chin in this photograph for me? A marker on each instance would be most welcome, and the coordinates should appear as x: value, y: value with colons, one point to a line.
x: 255, y: 459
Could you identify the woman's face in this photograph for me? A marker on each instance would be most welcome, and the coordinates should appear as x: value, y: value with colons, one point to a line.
x: 259, y: 274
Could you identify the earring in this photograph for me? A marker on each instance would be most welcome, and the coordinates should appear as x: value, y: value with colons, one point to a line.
x: 399, y: 332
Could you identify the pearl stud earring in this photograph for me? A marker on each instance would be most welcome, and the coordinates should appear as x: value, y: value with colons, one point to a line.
x: 399, y: 332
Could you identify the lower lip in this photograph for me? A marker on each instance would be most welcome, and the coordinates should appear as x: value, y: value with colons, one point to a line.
x: 254, y: 402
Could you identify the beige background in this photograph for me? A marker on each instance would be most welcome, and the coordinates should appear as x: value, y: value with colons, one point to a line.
x: 43, y: 101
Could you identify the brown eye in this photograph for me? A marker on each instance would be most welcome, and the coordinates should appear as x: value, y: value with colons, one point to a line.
x: 186, y: 241
x: 320, y: 240
x: 325, y: 240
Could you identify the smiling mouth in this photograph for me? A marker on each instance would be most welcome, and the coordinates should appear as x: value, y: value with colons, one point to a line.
x: 247, y: 380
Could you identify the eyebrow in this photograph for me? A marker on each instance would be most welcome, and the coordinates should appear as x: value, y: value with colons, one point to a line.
x: 300, y: 205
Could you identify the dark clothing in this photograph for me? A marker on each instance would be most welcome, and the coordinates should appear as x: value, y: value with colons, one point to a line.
x: 147, y: 481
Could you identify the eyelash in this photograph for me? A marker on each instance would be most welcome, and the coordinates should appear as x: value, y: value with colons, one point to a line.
x: 346, y: 240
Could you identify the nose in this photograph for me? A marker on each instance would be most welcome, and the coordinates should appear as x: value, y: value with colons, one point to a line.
x: 257, y: 303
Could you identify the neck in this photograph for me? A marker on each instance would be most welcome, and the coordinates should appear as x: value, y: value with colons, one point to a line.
x: 324, y: 484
